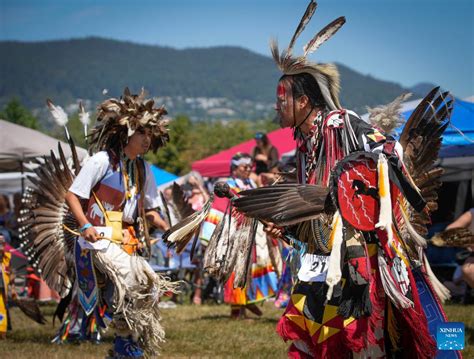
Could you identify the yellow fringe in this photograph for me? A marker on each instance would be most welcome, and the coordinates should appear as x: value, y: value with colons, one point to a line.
x: 333, y: 231
x: 399, y: 253
x: 382, y: 189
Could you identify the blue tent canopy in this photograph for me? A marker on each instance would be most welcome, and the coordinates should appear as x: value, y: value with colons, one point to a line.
x: 161, y: 176
x: 456, y: 144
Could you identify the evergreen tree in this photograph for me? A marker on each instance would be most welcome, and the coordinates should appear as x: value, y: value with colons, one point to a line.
x: 15, y: 112
x: 174, y: 156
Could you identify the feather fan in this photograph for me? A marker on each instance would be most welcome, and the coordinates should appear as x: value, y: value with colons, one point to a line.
x: 454, y: 237
x: 183, y: 208
x: 285, y: 204
x: 181, y: 233
x: 31, y: 309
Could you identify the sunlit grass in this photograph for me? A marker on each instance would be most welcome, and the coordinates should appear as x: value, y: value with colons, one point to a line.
x: 204, y: 331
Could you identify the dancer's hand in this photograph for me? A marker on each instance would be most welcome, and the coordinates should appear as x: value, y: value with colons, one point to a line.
x: 90, y: 235
x: 272, y: 230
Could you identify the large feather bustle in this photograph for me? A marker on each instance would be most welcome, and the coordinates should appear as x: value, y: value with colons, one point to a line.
x: 118, y: 119
x: 388, y: 117
x: 44, y: 216
x: 421, y: 141
x: 76, y: 165
x: 181, y: 233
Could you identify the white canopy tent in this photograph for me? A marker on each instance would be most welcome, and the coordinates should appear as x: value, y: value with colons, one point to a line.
x: 11, y: 182
x: 19, y: 147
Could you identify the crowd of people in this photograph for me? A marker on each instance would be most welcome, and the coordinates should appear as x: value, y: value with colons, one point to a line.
x: 243, y: 174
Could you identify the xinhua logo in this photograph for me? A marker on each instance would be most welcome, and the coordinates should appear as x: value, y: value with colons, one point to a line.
x: 450, y: 336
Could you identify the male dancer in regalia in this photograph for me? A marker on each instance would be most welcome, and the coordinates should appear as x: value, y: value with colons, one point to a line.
x: 356, y: 216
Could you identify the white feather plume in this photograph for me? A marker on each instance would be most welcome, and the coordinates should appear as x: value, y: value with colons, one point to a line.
x: 84, y: 116
x: 59, y: 115
x: 388, y: 117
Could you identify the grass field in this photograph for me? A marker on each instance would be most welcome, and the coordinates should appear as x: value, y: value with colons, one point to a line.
x: 204, y: 331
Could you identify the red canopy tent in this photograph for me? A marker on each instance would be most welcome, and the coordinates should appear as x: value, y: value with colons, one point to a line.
x: 218, y: 165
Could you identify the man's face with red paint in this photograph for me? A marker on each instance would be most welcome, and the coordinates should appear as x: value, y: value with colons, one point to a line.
x: 284, y: 104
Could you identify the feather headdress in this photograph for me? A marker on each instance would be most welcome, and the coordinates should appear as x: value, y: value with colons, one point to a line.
x: 326, y: 75
x: 118, y: 119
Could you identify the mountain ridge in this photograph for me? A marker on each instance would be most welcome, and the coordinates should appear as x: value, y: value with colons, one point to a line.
x: 68, y: 70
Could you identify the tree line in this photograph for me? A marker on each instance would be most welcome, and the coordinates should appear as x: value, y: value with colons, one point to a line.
x: 189, y: 140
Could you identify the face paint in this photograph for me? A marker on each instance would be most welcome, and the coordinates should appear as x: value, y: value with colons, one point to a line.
x: 281, y: 92
x: 284, y: 104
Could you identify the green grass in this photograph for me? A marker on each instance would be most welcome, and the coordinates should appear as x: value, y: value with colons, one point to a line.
x: 191, y: 331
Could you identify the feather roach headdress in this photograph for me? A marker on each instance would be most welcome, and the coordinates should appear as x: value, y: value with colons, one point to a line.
x: 118, y: 119
x: 326, y: 75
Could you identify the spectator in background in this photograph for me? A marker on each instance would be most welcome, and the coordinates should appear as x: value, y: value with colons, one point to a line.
x: 198, y: 195
x: 264, y: 154
x: 7, y: 219
x: 262, y: 281
x: 4, y: 283
x: 466, y: 220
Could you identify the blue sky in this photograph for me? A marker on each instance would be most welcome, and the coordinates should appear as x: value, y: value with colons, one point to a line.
x: 405, y: 41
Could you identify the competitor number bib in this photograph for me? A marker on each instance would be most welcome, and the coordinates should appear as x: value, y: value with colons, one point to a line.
x: 314, y: 268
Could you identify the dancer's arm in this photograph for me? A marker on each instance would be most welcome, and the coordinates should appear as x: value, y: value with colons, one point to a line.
x: 90, y: 234
x: 155, y: 219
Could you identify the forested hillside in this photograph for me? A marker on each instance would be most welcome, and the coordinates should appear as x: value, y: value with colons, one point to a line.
x: 80, y: 69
